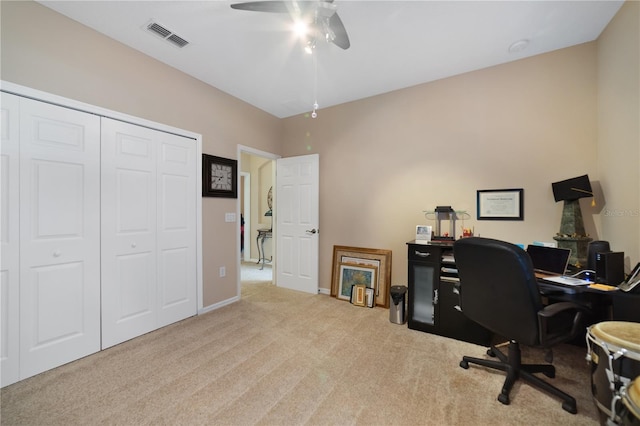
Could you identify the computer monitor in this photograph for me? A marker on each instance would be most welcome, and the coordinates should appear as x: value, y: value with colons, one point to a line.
x: 549, y: 260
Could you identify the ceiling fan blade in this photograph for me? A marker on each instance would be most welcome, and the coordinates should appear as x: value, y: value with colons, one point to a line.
x: 264, y: 6
x: 341, y: 38
x: 325, y: 8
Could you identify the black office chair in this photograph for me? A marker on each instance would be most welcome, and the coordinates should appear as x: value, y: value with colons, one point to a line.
x: 498, y: 290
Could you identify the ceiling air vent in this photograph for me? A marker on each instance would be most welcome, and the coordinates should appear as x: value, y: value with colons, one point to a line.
x: 166, y: 34
x: 176, y: 39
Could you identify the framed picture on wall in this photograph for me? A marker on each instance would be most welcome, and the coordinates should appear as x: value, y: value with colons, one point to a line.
x: 500, y: 204
x: 219, y: 177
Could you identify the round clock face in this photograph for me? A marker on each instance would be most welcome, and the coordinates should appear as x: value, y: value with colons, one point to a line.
x: 221, y: 177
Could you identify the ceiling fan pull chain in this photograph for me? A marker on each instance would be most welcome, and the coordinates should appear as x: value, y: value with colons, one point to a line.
x: 314, y: 113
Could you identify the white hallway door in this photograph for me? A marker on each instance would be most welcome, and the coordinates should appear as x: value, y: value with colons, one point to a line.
x: 297, y: 217
x: 148, y: 230
x: 59, y: 236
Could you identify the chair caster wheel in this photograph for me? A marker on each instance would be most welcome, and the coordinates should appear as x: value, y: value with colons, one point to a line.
x: 491, y: 353
x: 464, y: 364
x: 570, y: 407
x: 504, y: 399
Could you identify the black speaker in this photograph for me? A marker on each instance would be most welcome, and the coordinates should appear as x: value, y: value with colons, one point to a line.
x: 594, y: 248
x: 610, y: 267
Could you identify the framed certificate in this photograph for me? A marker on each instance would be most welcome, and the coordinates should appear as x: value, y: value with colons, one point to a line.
x: 501, y: 204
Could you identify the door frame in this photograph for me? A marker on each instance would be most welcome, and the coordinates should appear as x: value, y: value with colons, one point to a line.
x: 258, y: 153
x: 246, y: 193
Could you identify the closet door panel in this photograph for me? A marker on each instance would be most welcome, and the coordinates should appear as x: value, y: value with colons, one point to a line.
x: 9, y: 241
x: 129, y: 254
x: 177, y: 229
x: 59, y: 236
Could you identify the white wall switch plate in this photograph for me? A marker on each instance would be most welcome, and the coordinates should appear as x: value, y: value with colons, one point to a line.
x: 229, y: 217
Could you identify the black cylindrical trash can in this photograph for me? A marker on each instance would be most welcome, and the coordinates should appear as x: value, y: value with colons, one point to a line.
x: 397, y: 308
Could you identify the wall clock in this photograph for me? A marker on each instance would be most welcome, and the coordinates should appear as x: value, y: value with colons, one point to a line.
x: 219, y: 177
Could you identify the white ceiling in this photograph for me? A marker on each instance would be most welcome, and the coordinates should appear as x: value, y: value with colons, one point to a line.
x: 394, y: 44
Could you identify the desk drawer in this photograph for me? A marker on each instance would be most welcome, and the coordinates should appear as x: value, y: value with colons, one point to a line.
x: 424, y: 253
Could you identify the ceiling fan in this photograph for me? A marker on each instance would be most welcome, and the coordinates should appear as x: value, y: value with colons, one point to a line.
x: 321, y: 15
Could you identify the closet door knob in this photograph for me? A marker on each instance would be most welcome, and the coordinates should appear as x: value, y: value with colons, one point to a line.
x: 57, y: 253
x: 133, y: 245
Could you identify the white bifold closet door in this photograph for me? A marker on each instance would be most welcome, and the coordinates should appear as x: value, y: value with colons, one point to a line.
x: 148, y: 230
x: 10, y: 241
x: 59, y: 236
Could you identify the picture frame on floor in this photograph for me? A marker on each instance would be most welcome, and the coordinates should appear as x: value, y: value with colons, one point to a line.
x: 379, y: 258
x: 352, y: 275
x: 359, y: 295
x: 370, y: 295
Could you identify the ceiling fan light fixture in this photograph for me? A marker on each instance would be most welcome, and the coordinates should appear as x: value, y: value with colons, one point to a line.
x: 300, y: 28
x: 322, y: 15
x: 309, y: 46
x: 329, y: 35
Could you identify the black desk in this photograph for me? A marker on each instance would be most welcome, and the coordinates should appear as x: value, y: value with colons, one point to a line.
x: 625, y: 306
x: 603, y: 305
x: 433, y: 297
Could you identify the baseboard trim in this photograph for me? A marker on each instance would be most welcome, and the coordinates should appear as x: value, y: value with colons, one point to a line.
x: 218, y: 305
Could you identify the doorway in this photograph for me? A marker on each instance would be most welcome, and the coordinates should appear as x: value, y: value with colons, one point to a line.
x: 256, y: 258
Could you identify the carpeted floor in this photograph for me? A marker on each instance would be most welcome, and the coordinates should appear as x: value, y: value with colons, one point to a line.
x: 279, y: 357
x: 251, y: 272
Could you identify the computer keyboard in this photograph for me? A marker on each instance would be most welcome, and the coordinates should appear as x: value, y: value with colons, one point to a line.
x: 565, y: 280
x: 552, y: 288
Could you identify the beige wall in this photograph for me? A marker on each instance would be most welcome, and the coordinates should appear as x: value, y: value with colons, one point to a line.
x: 47, y: 51
x: 619, y: 130
x: 385, y: 159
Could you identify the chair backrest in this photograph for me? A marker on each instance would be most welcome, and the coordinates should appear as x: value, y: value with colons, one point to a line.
x: 498, y: 288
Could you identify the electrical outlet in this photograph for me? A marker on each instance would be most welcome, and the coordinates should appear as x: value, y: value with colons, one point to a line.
x: 223, y: 271
x: 229, y: 217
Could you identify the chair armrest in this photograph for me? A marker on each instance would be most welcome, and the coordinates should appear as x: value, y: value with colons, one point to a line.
x: 567, y: 318
x: 555, y: 308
